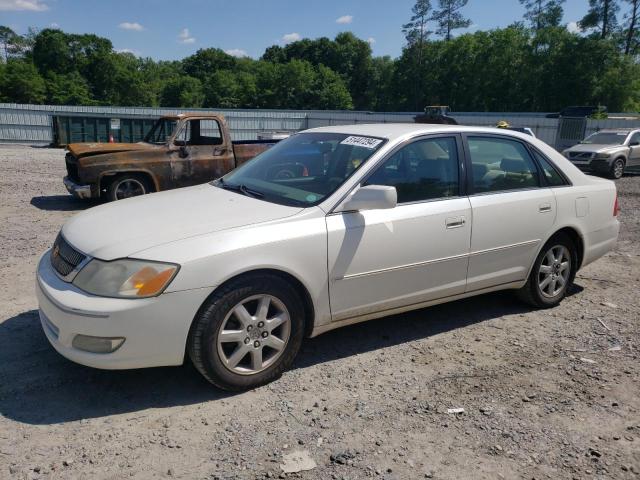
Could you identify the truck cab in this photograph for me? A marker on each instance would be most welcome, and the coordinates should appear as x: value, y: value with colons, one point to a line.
x: 179, y: 151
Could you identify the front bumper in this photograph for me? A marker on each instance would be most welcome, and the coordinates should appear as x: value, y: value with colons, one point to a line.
x: 155, y: 329
x: 596, y: 165
x: 77, y: 190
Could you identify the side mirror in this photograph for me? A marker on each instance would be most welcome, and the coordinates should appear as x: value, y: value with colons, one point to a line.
x: 371, y: 197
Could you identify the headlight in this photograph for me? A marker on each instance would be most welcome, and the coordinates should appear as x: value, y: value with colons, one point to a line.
x: 125, y: 278
x: 602, y: 156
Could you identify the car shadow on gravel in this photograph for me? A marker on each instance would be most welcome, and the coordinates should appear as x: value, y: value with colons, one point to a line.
x: 38, y: 386
x: 62, y: 203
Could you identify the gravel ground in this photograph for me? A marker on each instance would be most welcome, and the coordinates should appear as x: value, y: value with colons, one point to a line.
x: 546, y: 394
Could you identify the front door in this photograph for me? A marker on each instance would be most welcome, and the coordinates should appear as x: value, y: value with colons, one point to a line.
x: 413, y: 253
x: 634, y: 151
x: 513, y: 212
x: 203, y: 155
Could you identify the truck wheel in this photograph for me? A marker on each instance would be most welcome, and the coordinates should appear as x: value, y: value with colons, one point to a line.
x: 617, y: 169
x: 128, y: 185
x: 247, y: 333
x: 552, y: 273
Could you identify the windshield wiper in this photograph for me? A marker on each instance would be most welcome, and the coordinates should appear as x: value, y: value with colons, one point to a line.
x: 249, y: 192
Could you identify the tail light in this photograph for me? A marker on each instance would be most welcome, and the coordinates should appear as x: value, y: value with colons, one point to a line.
x: 616, y: 207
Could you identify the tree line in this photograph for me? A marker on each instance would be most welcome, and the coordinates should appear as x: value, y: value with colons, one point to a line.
x: 537, y: 64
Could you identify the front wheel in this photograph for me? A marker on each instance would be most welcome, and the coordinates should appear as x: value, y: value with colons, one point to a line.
x: 552, y: 273
x: 128, y: 185
x: 247, y: 333
x: 617, y: 169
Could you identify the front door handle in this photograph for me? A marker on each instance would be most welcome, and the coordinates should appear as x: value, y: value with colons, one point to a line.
x: 455, y: 222
x: 544, y: 207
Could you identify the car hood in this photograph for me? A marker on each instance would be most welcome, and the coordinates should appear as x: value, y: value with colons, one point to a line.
x: 122, y: 228
x: 594, y: 148
x: 89, y: 149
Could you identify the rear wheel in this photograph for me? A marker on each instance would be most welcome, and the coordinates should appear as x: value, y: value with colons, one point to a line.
x: 617, y: 169
x: 552, y: 273
x: 247, y: 333
x: 128, y: 185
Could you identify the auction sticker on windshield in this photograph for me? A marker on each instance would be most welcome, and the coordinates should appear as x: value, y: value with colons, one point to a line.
x: 366, y: 142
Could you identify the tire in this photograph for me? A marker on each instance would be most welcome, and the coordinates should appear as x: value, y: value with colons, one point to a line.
x: 230, y: 360
x: 560, y: 247
x: 617, y: 169
x: 128, y: 185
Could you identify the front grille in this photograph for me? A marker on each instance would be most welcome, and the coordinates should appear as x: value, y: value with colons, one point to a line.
x: 72, y: 166
x: 583, y: 156
x: 64, y: 258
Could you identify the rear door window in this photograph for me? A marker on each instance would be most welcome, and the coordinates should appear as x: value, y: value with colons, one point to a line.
x: 501, y: 164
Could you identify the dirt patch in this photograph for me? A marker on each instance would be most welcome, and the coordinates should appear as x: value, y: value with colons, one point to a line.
x: 546, y: 394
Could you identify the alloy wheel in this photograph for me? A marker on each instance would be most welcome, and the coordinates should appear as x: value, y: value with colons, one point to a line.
x: 254, y: 334
x: 553, y: 275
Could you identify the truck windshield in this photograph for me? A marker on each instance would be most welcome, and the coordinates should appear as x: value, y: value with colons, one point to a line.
x: 606, y: 138
x: 302, y: 170
x: 161, y: 130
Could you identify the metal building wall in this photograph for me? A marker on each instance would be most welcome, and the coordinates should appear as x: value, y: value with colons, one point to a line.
x: 32, y: 123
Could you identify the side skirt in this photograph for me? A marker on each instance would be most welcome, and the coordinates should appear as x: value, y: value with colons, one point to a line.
x: 407, y: 308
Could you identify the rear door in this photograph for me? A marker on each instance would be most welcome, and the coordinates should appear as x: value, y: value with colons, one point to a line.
x: 205, y: 156
x: 513, y: 210
x: 415, y: 252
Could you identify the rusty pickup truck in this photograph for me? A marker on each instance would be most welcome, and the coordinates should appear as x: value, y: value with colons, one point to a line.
x: 178, y: 151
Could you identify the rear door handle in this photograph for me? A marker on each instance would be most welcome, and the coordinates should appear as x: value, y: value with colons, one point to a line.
x: 455, y: 222
x: 544, y: 208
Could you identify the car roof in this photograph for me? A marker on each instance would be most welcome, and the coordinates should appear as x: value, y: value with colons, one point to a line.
x: 393, y: 131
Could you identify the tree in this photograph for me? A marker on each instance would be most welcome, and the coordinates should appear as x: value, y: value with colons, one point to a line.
x: 632, y: 38
x: 416, y: 33
x: 449, y: 18
x: 67, y: 89
x: 12, y: 44
x: 22, y: 83
x: 330, y: 91
x: 543, y: 13
x: 183, y: 91
x: 601, y: 14
x: 206, y: 61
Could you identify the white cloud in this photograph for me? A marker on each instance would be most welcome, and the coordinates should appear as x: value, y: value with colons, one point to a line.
x: 236, y: 52
x: 128, y: 50
x: 54, y: 25
x: 21, y: 5
x: 573, y: 27
x: 291, y: 37
x: 185, y: 37
x: 345, y: 19
x: 131, y: 26
x: 371, y: 41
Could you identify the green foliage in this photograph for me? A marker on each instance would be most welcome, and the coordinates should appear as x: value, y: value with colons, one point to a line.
x: 70, y: 89
x: 602, y: 15
x: 543, y: 13
x: 449, y: 18
x: 21, y: 83
x: 183, y: 91
x: 543, y: 68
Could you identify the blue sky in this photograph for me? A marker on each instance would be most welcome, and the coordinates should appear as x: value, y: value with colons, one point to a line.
x: 165, y: 29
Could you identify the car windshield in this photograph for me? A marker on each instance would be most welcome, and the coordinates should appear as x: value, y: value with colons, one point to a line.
x: 161, y: 130
x: 302, y: 170
x: 606, y: 138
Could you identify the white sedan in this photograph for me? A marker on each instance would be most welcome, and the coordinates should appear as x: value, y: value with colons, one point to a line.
x: 330, y: 227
